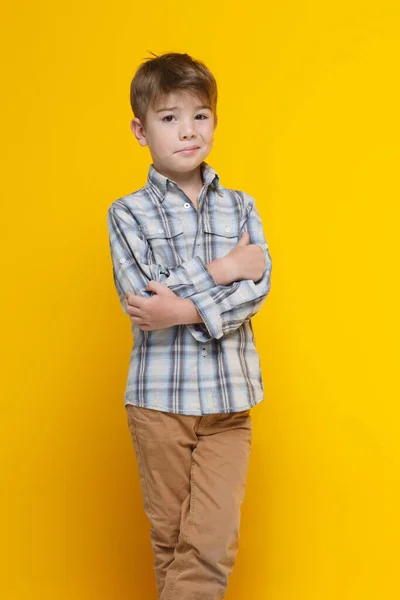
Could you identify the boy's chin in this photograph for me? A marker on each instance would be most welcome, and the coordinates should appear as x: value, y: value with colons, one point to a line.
x: 184, y: 165
x: 191, y: 162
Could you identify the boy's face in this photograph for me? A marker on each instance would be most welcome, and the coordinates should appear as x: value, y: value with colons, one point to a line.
x: 186, y: 124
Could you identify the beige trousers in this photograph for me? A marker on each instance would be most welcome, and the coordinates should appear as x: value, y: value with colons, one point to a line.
x: 193, y: 472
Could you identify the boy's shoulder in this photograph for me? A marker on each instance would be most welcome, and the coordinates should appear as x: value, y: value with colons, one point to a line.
x: 130, y: 199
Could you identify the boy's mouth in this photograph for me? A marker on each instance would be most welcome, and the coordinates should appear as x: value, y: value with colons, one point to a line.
x: 188, y: 150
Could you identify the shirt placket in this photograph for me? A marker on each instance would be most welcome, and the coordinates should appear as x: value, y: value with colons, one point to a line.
x: 205, y: 370
x: 192, y: 225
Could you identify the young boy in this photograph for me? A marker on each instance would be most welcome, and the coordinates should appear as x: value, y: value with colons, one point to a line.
x: 191, y: 267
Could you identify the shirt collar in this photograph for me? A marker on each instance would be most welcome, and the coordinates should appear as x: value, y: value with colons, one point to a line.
x: 160, y: 182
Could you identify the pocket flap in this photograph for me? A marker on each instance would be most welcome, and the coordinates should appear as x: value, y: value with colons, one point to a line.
x: 157, y: 229
x: 225, y: 227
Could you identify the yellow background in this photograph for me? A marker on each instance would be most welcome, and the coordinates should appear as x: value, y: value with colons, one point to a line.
x: 308, y: 124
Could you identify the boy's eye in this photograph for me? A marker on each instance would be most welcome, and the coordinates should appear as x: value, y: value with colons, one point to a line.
x: 168, y: 118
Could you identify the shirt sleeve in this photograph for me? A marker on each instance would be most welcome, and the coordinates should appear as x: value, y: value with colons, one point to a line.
x: 134, y: 265
x: 225, y: 308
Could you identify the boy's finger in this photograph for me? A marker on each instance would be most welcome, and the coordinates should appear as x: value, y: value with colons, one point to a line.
x: 244, y: 240
x: 138, y: 301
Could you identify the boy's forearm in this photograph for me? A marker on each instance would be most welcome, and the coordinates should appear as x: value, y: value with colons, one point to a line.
x: 224, y: 272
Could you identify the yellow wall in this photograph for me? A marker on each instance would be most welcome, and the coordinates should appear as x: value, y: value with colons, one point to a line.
x: 309, y: 125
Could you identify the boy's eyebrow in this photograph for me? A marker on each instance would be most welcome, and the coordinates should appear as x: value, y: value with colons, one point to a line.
x: 177, y: 108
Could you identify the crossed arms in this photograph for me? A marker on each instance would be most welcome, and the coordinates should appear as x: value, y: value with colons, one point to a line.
x: 219, y: 296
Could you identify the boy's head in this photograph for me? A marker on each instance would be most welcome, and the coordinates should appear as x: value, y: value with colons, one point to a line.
x: 188, y: 90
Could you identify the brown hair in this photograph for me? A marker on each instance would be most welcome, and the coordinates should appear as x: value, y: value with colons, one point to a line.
x: 170, y: 72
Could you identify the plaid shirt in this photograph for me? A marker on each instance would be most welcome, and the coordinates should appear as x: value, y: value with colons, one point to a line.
x: 157, y: 233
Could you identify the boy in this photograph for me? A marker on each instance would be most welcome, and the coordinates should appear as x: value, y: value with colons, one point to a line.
x: 191, y: 267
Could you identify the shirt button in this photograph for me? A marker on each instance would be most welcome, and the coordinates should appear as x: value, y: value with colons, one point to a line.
x: 227, y: 228
x: 187, y: 205
x: 204, y: 352
x: 122, y: 260
x: 198, y: 242
x: 160, y: 230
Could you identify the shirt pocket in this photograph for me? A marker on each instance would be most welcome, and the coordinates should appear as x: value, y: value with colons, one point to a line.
x: 166, y: 240
x: 220, y: 236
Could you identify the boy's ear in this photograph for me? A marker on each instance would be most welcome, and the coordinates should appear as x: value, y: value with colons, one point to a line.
x: 138, y: 131
x: 215, y: 121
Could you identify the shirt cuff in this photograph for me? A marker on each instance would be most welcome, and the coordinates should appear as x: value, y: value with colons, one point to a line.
x: 198, y: 275
x: 209, y: 312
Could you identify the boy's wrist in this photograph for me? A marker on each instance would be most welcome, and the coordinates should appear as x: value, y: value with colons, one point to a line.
x: 224, y: 270
x: 186, y: 313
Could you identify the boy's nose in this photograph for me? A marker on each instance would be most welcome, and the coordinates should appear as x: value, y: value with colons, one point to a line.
x: 189, y: 131
x: 188, y: 135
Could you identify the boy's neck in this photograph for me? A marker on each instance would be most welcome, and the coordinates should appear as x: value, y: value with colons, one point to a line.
x: 191, y: 183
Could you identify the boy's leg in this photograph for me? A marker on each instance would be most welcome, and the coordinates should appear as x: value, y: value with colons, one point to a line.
x: 210, y: 515
x: 163, y: 445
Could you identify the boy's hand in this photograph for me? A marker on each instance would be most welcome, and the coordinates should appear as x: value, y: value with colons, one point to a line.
x: 158, y: 312
x: 246, y: 260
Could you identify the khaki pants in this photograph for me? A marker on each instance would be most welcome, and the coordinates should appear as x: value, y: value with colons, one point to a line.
x: 193, y: 472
